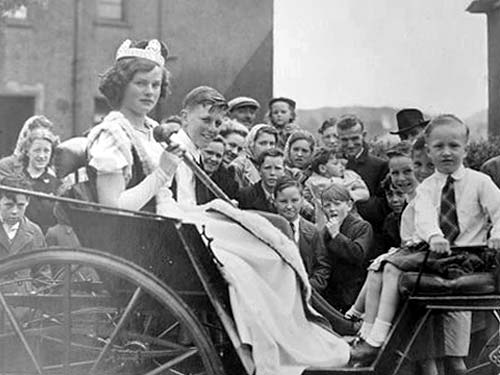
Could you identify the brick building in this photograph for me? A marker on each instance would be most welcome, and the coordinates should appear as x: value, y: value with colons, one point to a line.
x: 51, y: 55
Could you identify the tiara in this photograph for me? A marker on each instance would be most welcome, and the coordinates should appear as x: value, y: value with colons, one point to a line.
x: 152, y: 51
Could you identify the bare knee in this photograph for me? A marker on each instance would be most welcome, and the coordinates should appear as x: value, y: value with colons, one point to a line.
x: 391, y: 272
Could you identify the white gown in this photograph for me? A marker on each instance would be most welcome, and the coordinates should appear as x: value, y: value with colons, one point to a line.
x: 269, y: 291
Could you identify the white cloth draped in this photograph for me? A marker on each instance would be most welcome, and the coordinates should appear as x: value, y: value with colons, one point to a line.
x: 269, y: 292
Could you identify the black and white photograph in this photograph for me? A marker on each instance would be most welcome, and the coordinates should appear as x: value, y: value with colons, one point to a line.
x: 249, y: 187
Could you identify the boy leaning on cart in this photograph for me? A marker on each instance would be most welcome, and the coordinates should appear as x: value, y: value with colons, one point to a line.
x: 452, y: 207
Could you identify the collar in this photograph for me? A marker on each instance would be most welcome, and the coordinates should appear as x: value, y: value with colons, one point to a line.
x: 457, y: 175
x: 269, y: 196
x: 296, y: 223
x: 11, y: 227
x: 360, y: 153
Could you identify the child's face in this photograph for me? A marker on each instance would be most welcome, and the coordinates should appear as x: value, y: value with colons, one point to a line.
x: 300, y: 153
x: 39, y: 154
x: 212, y: 156
x: 335, y: 209
x: 234, y: 146
x: 272, y: 168
x: 446, y: 147
x: 402, y: 174
x: 329, y: 138
x: 396, y: 200
x: 281, y: 114
x: 12, y: 210
x: 201, y: 123
x: 422, y: 165
x: 264, y: 142
x: 288, y: 203
x: 333, y: 168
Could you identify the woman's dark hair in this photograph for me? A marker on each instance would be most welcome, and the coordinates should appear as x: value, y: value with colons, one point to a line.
x: 115, y: 79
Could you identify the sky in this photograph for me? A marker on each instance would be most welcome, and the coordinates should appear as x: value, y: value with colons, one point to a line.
x: 429, y: 54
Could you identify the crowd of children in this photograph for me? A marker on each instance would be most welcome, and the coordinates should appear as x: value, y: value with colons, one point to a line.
x: 358, y: 220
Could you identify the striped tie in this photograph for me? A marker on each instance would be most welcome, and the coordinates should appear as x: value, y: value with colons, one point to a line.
x: 448, y: 219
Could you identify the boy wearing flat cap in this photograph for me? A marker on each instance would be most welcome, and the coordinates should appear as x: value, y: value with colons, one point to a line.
x: 411, y: 124
x: 244, y: 110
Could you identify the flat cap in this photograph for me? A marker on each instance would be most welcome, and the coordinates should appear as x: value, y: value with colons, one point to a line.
x: 243, y: 101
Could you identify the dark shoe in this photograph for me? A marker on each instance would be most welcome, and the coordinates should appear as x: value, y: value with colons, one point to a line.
x: 363, y: 354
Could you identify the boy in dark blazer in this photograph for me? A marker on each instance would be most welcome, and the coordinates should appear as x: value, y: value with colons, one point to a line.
x: 288, y: 201
x: 259, y: 196
x: 345, y: 241
x: 18, y: 234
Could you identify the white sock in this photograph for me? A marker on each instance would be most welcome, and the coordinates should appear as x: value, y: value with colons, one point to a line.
x: 364, y: 331
x: 353, y: 313
x: 379, y: 333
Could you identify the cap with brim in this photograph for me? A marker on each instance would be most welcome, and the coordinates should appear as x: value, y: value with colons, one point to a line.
x: 243, y: 101
x: 289, y: 101
x: 409, y: 119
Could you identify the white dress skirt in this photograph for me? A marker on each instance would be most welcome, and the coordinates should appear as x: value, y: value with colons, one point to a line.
x: 269, y: 292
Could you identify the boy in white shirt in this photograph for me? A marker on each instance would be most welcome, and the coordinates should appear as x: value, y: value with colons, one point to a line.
x: 441, y: 222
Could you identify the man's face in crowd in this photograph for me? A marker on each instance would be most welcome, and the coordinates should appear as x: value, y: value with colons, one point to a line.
x: 351, y: 140
x: 412, y: 134
x: 245, y: 115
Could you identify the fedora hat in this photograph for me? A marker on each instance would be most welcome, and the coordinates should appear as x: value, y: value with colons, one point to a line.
x: 408, y: 119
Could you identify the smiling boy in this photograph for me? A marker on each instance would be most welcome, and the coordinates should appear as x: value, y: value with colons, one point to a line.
x: 201, y: 116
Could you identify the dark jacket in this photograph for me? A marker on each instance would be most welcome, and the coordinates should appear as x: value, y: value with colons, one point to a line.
x: 340, y: 269
x: 372, y: 170
x: 28, y: 237
x: 308, y: 234
x: 224, y: 178
x: 254, y: 198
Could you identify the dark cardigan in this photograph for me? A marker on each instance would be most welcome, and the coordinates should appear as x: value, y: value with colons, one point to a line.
x: 340, y: 269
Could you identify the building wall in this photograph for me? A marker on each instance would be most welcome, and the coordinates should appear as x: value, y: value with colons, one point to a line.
x: 59, y: 52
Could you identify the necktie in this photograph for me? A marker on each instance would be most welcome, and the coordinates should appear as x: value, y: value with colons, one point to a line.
x: 448, y: 219
x: 293, y: 230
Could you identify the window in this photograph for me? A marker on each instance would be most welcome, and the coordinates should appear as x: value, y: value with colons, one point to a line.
x: 19, y: 13
x: 110, y: 9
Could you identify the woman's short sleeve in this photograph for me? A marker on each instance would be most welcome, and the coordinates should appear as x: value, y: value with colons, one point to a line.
x: 110, y: 151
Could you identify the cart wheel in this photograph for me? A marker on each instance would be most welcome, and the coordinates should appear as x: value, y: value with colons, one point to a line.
x: 57, y: 316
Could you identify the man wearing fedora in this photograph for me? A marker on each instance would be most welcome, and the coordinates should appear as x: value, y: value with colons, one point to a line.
x: 411, y: 124
x: 244, y: 110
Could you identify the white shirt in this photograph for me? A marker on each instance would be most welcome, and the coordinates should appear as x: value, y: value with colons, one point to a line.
x: 11, y: 230
x: 476, y: 197
x: 184, y: 177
